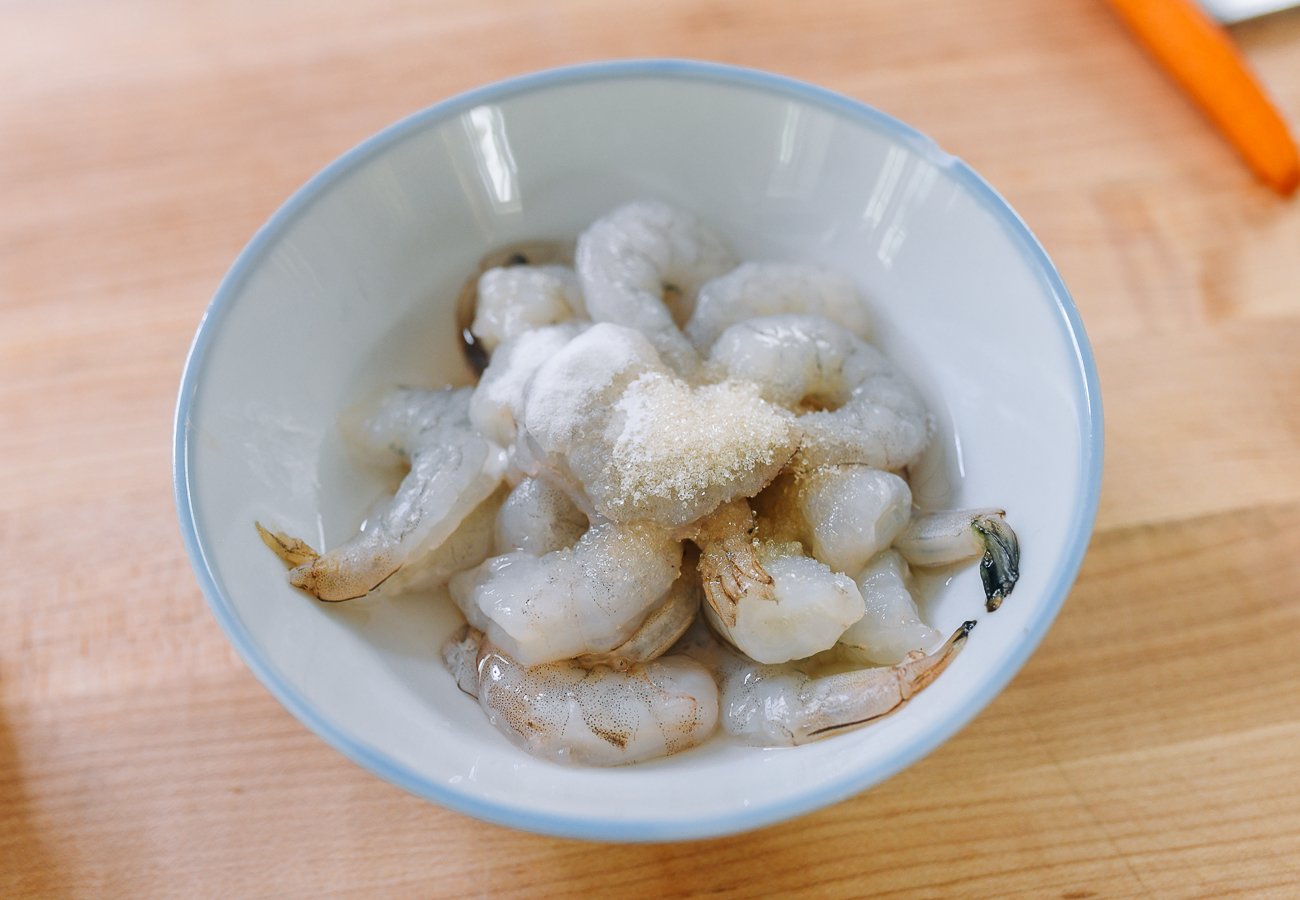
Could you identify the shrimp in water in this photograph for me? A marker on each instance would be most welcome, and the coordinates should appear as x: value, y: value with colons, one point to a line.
x: 951, y: 536
x: 863, y: 410
x: 891, y: 627
x: 767, y: 289
x: 516, y: 299
x: 845, y: 514
x: 567, y: 713
x: 588, y: 598
x: 535, y: 254
x: 792, y: 704
x: 770, y: 599
x: 452, y: 471
x: 604, y: 416
x: 642, y: 265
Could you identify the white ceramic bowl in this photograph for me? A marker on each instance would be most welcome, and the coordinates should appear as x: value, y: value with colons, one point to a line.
x: 349, y: 288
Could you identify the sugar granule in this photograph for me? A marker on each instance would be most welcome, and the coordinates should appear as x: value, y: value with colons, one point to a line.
x: 678, y: 441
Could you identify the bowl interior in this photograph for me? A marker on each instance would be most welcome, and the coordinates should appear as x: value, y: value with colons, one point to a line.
x: 350, y: 289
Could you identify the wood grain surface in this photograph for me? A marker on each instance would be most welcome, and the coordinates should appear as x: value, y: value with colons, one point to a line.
x: 1150, y: 748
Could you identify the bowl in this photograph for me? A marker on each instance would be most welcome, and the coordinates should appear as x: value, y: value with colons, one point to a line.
x: 349, y: 287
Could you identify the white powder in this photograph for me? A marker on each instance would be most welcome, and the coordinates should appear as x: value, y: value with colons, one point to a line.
x: 579, y: 379
x: 499, y: 398
x: 680, y: 444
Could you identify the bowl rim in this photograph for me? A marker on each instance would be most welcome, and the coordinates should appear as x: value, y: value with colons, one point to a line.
x: 686, y: 827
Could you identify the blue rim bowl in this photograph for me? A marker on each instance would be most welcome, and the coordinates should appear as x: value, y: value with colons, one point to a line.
x: 586, y: 827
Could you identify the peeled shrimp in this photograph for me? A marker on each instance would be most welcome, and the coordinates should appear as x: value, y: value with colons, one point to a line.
x: 770, y: 599
x: 604, y: 418
x: 499, y: 398
x: 767, y: 289
x: 792, y: 704
x: 845, y: 514
x: 864, y: 410
x: 525, y: 253
x: 588, y: 598
x: 891, y: 627
x: 567, y: 402
x: 942, y: 538
x: 516, y: 299
x: 666, y: 623
x: 567, y: 713
x: 642, y: 265
x: 472, y: 542
x: 452, y: 471
x: 537, y: 518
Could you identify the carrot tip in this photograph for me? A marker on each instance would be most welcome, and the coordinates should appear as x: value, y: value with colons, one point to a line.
x: 1287, y: 183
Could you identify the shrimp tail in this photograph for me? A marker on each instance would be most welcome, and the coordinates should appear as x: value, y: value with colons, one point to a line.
x: 310, y: 571
x: 950, y: 536
x: 1000, y: 565
x: 291, y: 550
x: 917, y: 674
x: 838, y: 702
x: 321, y: 576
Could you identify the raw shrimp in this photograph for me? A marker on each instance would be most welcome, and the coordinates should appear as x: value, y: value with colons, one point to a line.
x: 567, y: 713
x: 603, y: 415
x: 792, y: 704
x: 499, y: 398
x: 891, y: 627
x: 666, y: 623
x: 729, y: 566
x: 767, y: 289
x: 771, y: 600
x: 942, y: 538
x: 472, y: 542
x: 863, y: 409
x: 642, y: 265
x: 525, y: 253
x: 537, y: 518
x: 516, y: 299
x: 452, y: 471
x: 564, y: 407
x: 588, y: 598
x: 845, y: 514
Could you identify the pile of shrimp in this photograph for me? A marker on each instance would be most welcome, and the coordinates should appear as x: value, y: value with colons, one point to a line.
x: 675, y: 502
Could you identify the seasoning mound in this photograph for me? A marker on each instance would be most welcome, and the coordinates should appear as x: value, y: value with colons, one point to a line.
x: 678, y: 442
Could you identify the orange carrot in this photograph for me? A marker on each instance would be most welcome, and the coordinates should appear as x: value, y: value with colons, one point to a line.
x: 1198, y: 53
